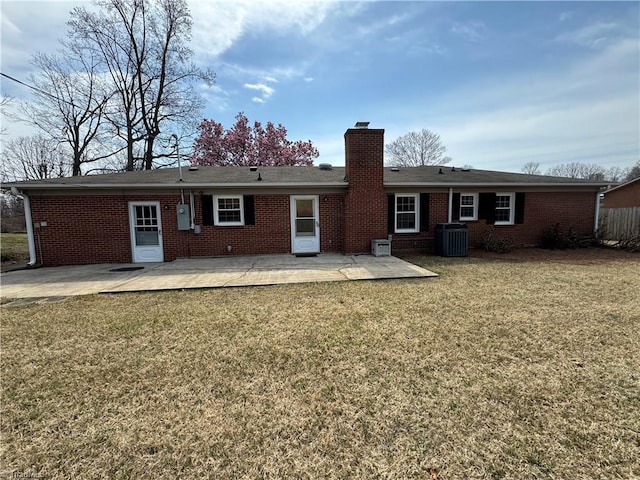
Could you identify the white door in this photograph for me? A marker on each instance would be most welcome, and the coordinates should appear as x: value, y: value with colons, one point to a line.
x: 146, y: 231
x: 305, y: 225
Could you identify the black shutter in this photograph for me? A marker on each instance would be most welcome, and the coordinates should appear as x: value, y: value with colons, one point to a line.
x: 206, y: 202
x: 519, y: 213
x: 391, y: 213
x: 455, y: 214
x: 487, y: 207
x: 249, y: 210
x: 424, y: 212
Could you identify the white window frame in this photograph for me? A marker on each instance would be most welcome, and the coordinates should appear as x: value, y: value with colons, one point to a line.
x: 416, y: 199
x: 512, y: 207
x: 475, y: 206
x: 216, y: 220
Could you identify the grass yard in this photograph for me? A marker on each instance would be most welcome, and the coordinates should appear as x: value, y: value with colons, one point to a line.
x: 14, y: 248
x: 517, y: 366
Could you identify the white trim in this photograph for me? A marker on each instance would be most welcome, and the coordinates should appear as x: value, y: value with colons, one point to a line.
x: 30, y: 238
x: 158, y: 250
x: 310, y: 244
x: 416, y: 212
x: 216, y: 220
x: 489, y: 185
x: 512, y: 207
x: 475, y: 206
x: 450, y: 207
x: 596, y: 217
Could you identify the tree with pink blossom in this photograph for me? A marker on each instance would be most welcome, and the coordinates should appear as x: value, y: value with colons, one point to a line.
x: 244, y: 145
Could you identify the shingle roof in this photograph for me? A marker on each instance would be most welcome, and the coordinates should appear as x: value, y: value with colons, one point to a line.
x: 448, y: 176
x: 298, y: 176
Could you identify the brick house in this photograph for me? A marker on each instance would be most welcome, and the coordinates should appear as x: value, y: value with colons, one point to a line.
x: 623, y: 196
x: 164, y: 214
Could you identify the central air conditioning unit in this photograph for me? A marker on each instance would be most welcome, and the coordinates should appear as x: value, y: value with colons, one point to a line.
x: 381, y: 248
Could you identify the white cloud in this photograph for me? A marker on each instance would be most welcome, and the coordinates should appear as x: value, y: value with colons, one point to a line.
x: 565, y: 16
x: 308, y: 79
x: 472, y: 31
x: 218, y: 25
x: 594, y: 35
x: 270, y: 79
x: 266, y: 90
x: 258, y: 99
x: 587, y: 112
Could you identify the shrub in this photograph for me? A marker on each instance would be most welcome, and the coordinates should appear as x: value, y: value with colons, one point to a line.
x: 492, y: 242
x: 555, y: 238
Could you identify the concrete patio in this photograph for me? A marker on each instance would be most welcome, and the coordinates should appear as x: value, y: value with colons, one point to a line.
x: 203, y: 273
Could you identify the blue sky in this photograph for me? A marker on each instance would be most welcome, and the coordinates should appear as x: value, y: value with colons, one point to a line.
x: 503, y: 83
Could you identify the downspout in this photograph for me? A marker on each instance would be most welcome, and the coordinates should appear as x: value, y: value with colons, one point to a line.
x: 450, y: 212
x: 30, y: 240
x: 596, y: 220
x: 192, y: 210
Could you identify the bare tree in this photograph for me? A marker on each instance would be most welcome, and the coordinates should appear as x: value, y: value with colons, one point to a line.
x: 4, y: 114
x: 531, y: 168
x: 633, y: 173
x: 144, y: 47
x: 69, y: 103
x: 417, y: 149
x: 34, y: 158
x: 589, y: 171
x: 616, y: 174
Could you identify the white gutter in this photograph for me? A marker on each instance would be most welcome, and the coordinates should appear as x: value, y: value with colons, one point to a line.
x: 450, y: 209
x: 192, y: 210
x: 597, y: 214
x: 151, y: 186
x: 30, y: 240
x: 490, y: 185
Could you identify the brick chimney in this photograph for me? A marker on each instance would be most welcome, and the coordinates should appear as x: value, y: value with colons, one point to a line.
x: 365, y: 207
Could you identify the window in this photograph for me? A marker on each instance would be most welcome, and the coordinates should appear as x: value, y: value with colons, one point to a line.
x: 468, y: 206
x: 504, y: 214
x: 228, y: 210
x: 407, y: 213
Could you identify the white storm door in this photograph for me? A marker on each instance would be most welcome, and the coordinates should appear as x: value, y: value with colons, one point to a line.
x: 305, y: 224
x: 146, y: 232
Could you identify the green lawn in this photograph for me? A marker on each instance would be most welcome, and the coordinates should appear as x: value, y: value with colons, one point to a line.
x: 14, y: 247
x: 518, y: 366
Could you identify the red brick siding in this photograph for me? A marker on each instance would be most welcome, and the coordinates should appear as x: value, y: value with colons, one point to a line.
x: 95, y: 229
x: 574, y: 210
x: 623, y: 197
x: 365, y: 208
x: 543, y: 210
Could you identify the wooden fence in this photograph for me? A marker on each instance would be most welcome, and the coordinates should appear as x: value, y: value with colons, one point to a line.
x: 619, y: 223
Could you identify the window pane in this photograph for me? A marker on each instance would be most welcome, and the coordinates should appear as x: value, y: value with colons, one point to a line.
x: 502, y: 201
x: 466, y: 199
x: 502, y: 215
x: 147, y: 236
x: 228, y: 203
x: 304, y: 208
x: 229, y: 216
x: 406, y: 204
x: 406, y: 221
x: 305, y: 227
x: 466, y: 212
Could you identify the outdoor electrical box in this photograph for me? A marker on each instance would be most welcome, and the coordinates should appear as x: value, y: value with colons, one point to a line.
x: 452, y: 240
x: 184, y: 218
x: 381, y: 248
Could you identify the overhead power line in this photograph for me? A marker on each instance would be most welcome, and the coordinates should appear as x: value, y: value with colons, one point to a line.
x: 38, y: 90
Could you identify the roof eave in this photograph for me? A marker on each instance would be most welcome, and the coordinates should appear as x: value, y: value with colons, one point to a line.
x: 492, y: 184
x: 160, y: 186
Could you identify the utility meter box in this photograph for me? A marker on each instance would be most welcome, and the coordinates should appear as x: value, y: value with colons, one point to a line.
x: 381, y: 248
x: 184, y: 218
